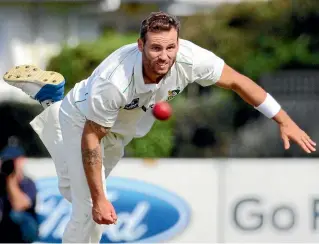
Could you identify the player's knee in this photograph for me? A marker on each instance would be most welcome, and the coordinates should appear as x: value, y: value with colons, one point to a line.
x: 66, y: 193
x: 82, y: 228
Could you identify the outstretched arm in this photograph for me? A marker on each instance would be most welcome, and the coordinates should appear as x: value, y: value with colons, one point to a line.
x: 256, y: 96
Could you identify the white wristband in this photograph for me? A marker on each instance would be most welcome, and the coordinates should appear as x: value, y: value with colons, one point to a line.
x: 270, y: 107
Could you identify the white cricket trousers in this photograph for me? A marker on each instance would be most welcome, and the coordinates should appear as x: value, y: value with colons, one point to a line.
x: 60, y: 128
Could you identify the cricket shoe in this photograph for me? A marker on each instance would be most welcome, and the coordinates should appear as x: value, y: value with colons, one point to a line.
x: 46, y: 87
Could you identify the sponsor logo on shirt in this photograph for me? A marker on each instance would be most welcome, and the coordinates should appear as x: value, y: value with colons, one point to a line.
x: 133, y: 104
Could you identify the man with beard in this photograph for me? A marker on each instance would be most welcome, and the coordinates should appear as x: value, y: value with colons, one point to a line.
x: 87, y: 130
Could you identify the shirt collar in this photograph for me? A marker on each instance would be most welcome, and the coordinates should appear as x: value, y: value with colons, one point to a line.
x: 140, y: 85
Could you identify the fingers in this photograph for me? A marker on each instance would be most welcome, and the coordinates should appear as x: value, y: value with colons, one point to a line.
x: 303, y: 145
x: 308, y: 143
x: 108, y: 220
x: 104, y: 214
x: 114, y: 216
x: 286, y: 142
x: 302, y: 139
x: 294, y: 133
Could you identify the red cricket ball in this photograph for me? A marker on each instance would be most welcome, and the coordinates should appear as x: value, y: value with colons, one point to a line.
x: 162, y: 110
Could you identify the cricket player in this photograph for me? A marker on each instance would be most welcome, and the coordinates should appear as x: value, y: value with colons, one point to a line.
x: 86, y: 131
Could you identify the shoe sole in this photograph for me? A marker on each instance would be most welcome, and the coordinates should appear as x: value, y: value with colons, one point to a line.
x: 32, y: 74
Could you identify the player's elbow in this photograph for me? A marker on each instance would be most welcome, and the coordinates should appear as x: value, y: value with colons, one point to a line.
x: 94, y: 131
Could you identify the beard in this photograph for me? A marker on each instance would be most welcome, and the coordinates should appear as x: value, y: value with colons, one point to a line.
x: 157, y: 68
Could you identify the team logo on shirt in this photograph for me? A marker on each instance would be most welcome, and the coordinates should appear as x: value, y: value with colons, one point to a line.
x: 173, y: 93
x: 132, y: 105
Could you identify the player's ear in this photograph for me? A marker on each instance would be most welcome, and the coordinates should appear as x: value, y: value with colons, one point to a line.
x: 140, y: 44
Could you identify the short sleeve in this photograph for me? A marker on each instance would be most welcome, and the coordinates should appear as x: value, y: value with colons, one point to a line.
x: 207, y: 67
x: 104, y: 102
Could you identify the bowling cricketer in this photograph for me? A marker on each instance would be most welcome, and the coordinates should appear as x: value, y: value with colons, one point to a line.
x: 86, y: 131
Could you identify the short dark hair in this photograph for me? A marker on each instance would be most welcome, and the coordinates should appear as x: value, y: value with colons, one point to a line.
x: 157, y: 22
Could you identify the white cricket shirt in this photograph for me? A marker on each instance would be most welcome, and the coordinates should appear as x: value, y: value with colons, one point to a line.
x: 116, y: 96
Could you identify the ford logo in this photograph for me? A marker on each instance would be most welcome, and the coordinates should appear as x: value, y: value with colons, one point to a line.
x: 146, y: 213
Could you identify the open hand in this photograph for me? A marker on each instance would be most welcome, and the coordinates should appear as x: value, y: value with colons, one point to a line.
x: 290, y: 131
